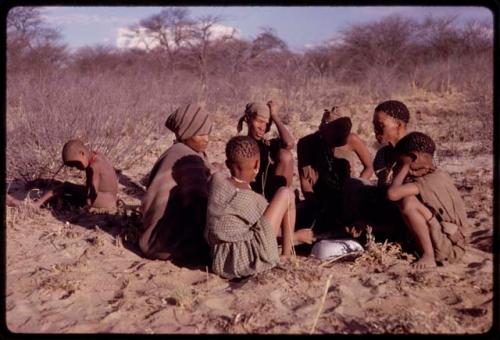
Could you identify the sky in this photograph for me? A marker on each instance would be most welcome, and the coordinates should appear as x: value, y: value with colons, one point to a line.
x: 299, y: 27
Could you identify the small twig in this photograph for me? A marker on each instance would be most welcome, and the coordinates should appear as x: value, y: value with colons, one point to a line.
x: 339, y: 257
x: 206, y: 268
x: 321, y: 305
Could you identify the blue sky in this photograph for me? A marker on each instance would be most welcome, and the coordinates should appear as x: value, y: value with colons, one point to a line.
x: 297, y: 26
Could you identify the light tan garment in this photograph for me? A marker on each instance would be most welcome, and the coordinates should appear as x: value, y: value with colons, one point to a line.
x: 449, y: 222
x: 241, y: 240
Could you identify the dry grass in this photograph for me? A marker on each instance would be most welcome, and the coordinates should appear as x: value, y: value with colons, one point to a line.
x: 182, y: 296
x: 377, y: 256
x: 112, y: 99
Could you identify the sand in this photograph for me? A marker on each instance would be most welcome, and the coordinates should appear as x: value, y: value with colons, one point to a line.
x: 70, y: 272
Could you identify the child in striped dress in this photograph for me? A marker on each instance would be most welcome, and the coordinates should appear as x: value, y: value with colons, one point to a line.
x: 242, y: 226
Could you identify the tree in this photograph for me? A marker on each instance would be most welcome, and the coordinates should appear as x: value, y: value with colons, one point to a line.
x: 202, y: 43
x: 30, y: 42
x: 167, y: 31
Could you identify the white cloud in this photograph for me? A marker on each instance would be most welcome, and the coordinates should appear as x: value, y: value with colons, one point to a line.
x: 142, y: 39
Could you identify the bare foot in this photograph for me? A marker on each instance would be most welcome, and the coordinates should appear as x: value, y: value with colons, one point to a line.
x: 425, y: 262
x: 303, y: 236
x: 285, y: 257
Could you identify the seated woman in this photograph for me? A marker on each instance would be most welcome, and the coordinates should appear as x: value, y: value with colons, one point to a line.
x: 323, y: 174
x: 276, y: 158
x: 369, y: 203
x: 174, y: 206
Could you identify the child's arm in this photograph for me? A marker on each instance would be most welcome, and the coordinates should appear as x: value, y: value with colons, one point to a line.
x: 93, y: 182
x: 363, y: 154
x: 397, y: 190
x: 286, y: 137
x: 47, y: 196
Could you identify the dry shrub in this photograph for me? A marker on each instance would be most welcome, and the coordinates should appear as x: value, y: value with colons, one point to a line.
x: 117, y: 101
x: 379, y: 256
x: 26, y: 211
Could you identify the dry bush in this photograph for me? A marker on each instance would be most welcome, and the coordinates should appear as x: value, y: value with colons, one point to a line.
x: 108, y: 111
x: 117, y: 101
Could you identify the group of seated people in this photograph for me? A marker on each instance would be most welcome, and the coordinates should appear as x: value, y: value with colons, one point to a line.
x: 242, y: 218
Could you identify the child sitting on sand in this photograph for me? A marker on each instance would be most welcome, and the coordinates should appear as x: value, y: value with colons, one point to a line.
x: 429, y: 202
x: 242, y: 226
x: 101, y: 188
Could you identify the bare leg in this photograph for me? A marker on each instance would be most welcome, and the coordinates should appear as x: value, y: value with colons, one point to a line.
x: 48, y: 195
x: 416, y: 215
x: 45, y: 197
x: 284, y: 167
x: 278, y: 213
x: 281, y: 215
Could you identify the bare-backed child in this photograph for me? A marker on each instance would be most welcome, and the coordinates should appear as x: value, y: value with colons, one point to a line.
x: 101, y: 187
x: 242, y: 227
x: 429, y: 202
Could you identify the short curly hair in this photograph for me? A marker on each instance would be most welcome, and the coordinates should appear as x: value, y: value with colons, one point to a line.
x: 416, y: 142
x: 395, y: 109
x: 241, y: 147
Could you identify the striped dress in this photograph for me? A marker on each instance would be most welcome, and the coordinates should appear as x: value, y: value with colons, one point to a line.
x: 241, y: 240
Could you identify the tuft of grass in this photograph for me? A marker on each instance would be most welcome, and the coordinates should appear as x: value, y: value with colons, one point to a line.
x: 379, y: 256
x: 183, y: 297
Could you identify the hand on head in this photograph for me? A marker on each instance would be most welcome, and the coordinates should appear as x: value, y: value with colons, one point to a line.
x: 273, y: 108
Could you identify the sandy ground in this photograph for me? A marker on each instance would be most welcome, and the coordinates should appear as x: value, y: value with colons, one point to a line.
x: 69, y: 272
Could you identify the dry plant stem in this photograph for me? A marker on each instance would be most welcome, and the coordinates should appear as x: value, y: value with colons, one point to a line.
x: 339, y: 257
x: 208, y: 277
x: 322, y: 303
x: 291, y: 229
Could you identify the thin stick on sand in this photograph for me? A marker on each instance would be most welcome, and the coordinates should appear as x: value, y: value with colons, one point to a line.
x: 340, y: 257
x: 208, y: 277
x: 322, y: 304
x: 293, y: 228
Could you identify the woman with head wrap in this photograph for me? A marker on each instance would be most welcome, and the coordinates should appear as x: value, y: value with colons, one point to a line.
x: 174, y: 206
x: 276, y: 166
x: 323, y: 174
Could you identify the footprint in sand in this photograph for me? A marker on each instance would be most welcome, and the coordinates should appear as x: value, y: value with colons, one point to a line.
x: 451, y: 299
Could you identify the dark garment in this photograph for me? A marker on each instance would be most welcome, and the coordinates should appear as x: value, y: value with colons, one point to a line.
x: 174, y: 207
x: 383, y: 165
x: 265, y: 182
x: 70, y: 195
x: 327, y: 175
